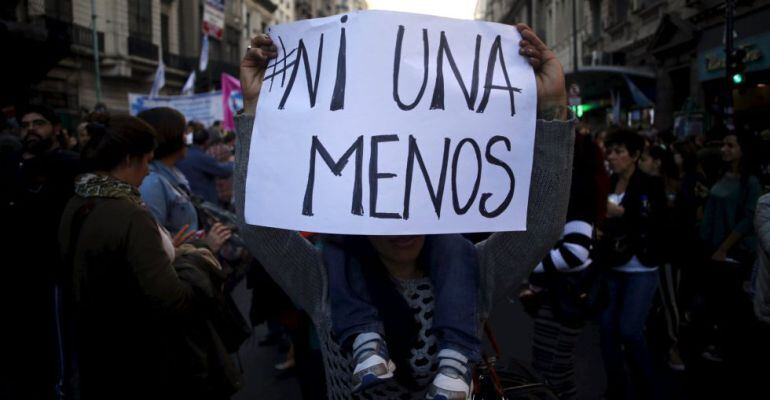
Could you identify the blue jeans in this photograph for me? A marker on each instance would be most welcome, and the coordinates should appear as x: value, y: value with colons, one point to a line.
x: 452, y: 263
x: 622, y: 333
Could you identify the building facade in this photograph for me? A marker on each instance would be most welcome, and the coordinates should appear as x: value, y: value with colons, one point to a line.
x: 306, y: 9
x: 671, y: 52
x: 284, y: 11
x: 132, y: 36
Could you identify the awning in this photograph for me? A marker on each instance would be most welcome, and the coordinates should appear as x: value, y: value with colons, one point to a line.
x: 635, y: 86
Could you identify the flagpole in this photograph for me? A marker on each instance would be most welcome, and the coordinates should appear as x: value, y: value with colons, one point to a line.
x: 96, y: 53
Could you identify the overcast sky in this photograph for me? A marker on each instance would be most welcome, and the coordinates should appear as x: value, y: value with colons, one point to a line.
x: 446, y: 8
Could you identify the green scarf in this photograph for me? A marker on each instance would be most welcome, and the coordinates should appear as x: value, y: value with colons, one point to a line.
x: 93, y: 185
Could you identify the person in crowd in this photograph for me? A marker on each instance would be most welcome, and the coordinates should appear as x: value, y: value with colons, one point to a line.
x: 728, y: 239
x: 37, y: 182
x: 301, y: 269
x: 762, y: 289
x: 166, y: 190
x: 10, y: 143
x: 133, y: 311
x: 202, y: 169
x: 658, y: 161
x: 631, y: 246
x: 559, y: 287
x: 221, y: 149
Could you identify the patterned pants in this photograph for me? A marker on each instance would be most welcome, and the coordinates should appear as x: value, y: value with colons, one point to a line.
x: 553, y: 353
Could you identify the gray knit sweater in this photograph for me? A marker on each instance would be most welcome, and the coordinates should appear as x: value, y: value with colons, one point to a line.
x: 505, y: 259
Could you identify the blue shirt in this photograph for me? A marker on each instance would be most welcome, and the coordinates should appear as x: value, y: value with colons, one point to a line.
x: 202, y: 170
x: 164, y: 191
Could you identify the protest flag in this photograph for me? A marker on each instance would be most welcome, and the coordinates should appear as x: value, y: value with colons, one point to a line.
x: 189, y: 85
x: 232, y: 100
x: 160, y: 79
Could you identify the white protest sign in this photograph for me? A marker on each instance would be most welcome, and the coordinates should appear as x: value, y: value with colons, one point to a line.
x: 380, y: 122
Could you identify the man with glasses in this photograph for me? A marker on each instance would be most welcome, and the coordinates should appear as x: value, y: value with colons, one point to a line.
x: 37, y: 183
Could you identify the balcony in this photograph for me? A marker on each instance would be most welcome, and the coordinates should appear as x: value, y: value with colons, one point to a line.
x: 179, y: 62
x: 267, y: 5
x: 84, y: 37
x: 142, y: 48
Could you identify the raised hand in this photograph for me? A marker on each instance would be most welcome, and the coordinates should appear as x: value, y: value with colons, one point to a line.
x: 549, y: 74
x: 253, y: 67
x: 217, y: 236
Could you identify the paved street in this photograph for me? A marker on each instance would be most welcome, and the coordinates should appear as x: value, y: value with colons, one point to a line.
x: 260, y: 376
x: 512, y: 327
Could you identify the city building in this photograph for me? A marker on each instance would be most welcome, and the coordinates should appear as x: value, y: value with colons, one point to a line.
x: 284, y: 11
x: 305, y: 9
x: 56, y: 40
x: 660, y: 62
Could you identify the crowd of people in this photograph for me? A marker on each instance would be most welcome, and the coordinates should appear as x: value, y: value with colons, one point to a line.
x: 128, y: 237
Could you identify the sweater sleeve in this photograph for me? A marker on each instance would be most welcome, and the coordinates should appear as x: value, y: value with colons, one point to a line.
x: 291, y: 261
x: 507, y: 258
x: 744, y: 225
x: 152, y: 267
x: 762, y: 288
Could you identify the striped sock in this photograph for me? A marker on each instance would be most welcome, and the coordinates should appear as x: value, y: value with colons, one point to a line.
x: 365, y: 344
x: 452, y: 363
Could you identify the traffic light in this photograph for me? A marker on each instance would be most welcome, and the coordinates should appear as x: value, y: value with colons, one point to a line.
x: 737, y: 66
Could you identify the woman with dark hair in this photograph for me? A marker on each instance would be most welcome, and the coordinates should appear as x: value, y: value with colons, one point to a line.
x: 560, y: 296
x: 658, y: 161
x: 631, y: 247
x: 129, y: 303
x: 400, y: 272
x: 166, y: 190
x: 728, y: 238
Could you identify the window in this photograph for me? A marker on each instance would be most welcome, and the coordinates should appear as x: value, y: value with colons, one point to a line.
x: 233, y: 49
x: 621, y: 10
x: 140, y: 19
x: 59, y: 9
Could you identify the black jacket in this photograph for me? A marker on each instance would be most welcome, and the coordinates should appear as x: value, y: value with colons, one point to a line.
x: 640, y: 231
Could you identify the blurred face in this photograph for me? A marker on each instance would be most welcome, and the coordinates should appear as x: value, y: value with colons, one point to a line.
x: 649, y: 165
x: 600, y: 140
x: 401, y: 249
x: 621, y: 161
x: 83, y: 135
x: 37, y: 133
x: 136, y: 169
x: 678, y: 160
x: 731, y: 150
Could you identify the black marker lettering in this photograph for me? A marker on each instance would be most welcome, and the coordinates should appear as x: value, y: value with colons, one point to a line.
x: 338, y: 95
x: 436, y: 195
x: 397, y: 66
x: 496, y: 161
x: 312, y: 84
x: 374, y: 176
x: 438, y: 91
x: 336, y: 168
x: 455, y: 201
x: 494, y: 52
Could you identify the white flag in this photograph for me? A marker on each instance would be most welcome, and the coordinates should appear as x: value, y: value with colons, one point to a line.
x: 160, y: 79
x: 204, y: 60
x: 189, y: 86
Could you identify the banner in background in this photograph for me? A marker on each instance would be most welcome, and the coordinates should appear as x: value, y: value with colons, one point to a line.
x: 214, y: 18
x: 232, y: 100
x: 205, y: 107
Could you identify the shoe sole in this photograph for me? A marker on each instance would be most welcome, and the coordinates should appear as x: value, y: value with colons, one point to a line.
x: 370, y: 380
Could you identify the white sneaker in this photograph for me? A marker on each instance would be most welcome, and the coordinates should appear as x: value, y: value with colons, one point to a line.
x: 453, y: 380
x: 373, y: 365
